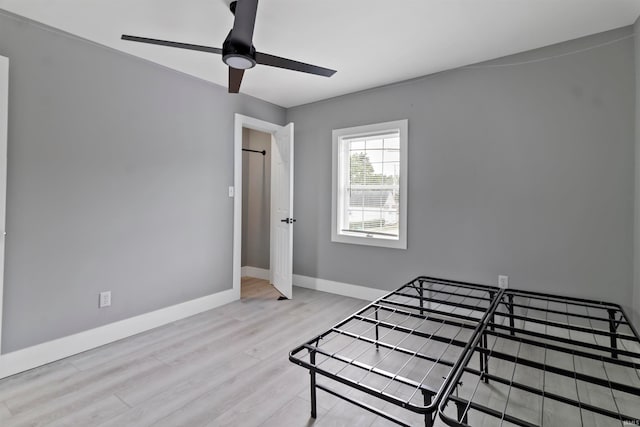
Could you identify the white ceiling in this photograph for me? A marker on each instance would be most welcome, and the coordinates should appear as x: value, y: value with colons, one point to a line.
x: 370, y: 42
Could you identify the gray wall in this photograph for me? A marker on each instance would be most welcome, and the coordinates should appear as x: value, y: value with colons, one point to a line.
x: 525, y: 170
x: 117, y: 180
x: 256, y: 199
x: 636, y: 284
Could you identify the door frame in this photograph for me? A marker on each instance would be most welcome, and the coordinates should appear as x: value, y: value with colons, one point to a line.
x: 4, y: 124
x: 242, y: 121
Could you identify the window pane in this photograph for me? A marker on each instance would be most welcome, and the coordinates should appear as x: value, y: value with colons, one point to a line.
x: 357, y: 145
x: 391, y: 172
x: 374, y: 144
x: 372, y: 179
x: 375, y: 177
x: 358, y: 168
x: 375, y: 156
x: 392, y: 143
x: 391, y: 155
x: 374, y: 210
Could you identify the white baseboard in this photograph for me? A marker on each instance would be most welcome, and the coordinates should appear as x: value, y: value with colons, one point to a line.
x: 353, y: 291
x: 258, y: 273
x: 41, y: 354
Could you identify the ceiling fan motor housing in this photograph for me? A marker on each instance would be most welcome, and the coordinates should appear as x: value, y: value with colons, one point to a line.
x: 238, y: 55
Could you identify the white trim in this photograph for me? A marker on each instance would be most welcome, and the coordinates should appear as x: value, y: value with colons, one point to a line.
x: 4, y: 114
x: 345, y: 289
x: 37, y: 355
x: 337, y: 184
x: 41, y: 354
x: 258, y: 273
x: 241, y: 121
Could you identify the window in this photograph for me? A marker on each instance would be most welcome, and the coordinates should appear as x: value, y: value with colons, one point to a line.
x: 369, y: 205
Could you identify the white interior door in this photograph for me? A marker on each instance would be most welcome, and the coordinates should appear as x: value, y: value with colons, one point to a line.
x: 4, y: 106
x: 282, y: 210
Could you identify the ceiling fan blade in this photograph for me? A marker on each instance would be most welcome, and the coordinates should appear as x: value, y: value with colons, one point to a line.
x: 172, y: 44
x: 235, y: 78
x: 244, y: 22
x: 290, y: 64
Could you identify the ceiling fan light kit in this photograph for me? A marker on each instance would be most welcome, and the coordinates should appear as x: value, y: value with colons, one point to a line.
x: 240, y: 58
x: 239, y: 62
x: 238, y: 52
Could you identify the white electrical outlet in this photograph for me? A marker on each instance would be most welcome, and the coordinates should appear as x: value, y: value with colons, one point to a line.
x: 503, y: 282
x: 105, y: 299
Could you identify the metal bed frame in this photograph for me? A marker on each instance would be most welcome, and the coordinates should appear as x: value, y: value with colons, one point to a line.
x: 480, y: 355
x: 543, y: 359
x: 403, y: 348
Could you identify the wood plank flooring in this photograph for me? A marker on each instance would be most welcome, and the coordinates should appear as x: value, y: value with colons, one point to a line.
x: 229, y: 367
x: 225, y: 367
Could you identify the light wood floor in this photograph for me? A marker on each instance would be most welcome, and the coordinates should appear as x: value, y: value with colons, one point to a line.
x: 257, y: 289
x: 225, y: 367
x: 230, y: 367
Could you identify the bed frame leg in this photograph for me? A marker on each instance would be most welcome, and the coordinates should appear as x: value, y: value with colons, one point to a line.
x: 462, y: 416
x: 492, y: 319
x: 312, y: 373
x: 484, y: 358
x: 421, y: 291
x: 428, y: 417
x: 613, y: 329
x: 512, y: 323
x: 377, y: 332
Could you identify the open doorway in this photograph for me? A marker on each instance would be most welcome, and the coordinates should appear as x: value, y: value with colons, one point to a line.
x: 256, y: 215
x: 259, y: 157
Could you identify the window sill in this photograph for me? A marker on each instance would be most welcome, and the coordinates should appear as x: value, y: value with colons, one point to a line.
x: 370, y: 241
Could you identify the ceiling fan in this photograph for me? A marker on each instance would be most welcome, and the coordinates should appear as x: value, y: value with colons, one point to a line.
x: 237, y: 50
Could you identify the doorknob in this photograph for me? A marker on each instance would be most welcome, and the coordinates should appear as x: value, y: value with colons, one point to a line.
x: 288, y: 220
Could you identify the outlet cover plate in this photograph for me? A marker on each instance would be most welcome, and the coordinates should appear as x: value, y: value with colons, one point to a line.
x: 105, y: 299
x: 503, y: 281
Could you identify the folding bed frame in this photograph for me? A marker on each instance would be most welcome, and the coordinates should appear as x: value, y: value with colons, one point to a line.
x: 479, y: 355
x: 547, y: 360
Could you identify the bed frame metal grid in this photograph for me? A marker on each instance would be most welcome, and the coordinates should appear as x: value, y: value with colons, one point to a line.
x: 542, y: 359
x: 483, y: 356
x: 403, y: 348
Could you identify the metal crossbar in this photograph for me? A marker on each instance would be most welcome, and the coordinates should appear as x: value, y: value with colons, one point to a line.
x: 435, y: 346
x: 593, y: 394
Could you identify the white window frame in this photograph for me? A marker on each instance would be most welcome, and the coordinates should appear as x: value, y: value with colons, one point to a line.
x: 337, y: 187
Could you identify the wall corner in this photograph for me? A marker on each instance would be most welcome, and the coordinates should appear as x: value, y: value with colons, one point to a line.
x: 636, y: 228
